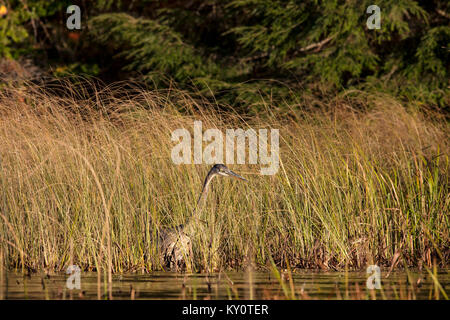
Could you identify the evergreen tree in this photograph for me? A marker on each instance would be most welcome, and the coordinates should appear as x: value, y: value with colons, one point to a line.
x: 224, y: 47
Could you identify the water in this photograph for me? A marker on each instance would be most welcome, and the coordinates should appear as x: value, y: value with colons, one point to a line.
x: 257, y: 285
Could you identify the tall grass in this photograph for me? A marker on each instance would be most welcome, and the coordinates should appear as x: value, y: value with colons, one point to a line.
x: 86, y: 177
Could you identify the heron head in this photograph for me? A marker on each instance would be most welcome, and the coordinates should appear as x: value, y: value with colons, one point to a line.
x: 224, y: 171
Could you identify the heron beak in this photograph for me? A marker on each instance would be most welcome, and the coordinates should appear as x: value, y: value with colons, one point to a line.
x: 235, y: 175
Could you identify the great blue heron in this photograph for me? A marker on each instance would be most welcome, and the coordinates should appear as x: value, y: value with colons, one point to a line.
x: 176, y: 243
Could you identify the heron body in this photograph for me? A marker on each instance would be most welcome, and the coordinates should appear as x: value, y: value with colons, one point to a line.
x: 176, y: 244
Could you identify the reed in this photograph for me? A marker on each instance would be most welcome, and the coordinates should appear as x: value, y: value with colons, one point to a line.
x: 86, y: 176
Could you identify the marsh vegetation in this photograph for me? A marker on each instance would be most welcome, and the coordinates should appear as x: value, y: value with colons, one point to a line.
x: 86, y: 178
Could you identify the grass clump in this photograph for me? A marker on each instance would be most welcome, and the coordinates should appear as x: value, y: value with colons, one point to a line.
x: 86, y: 177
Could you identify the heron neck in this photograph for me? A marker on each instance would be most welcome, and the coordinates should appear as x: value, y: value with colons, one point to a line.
x: 201, y: 199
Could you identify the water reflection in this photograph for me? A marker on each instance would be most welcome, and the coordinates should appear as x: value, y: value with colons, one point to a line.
x: 259, y: 285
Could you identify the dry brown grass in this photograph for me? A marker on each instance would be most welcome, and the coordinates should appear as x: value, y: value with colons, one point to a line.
x: 86, y: 177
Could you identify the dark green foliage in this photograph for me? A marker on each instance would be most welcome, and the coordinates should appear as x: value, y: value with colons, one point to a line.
x: 222, y: 48
x: 149, y: 46
x: 19, y: 27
